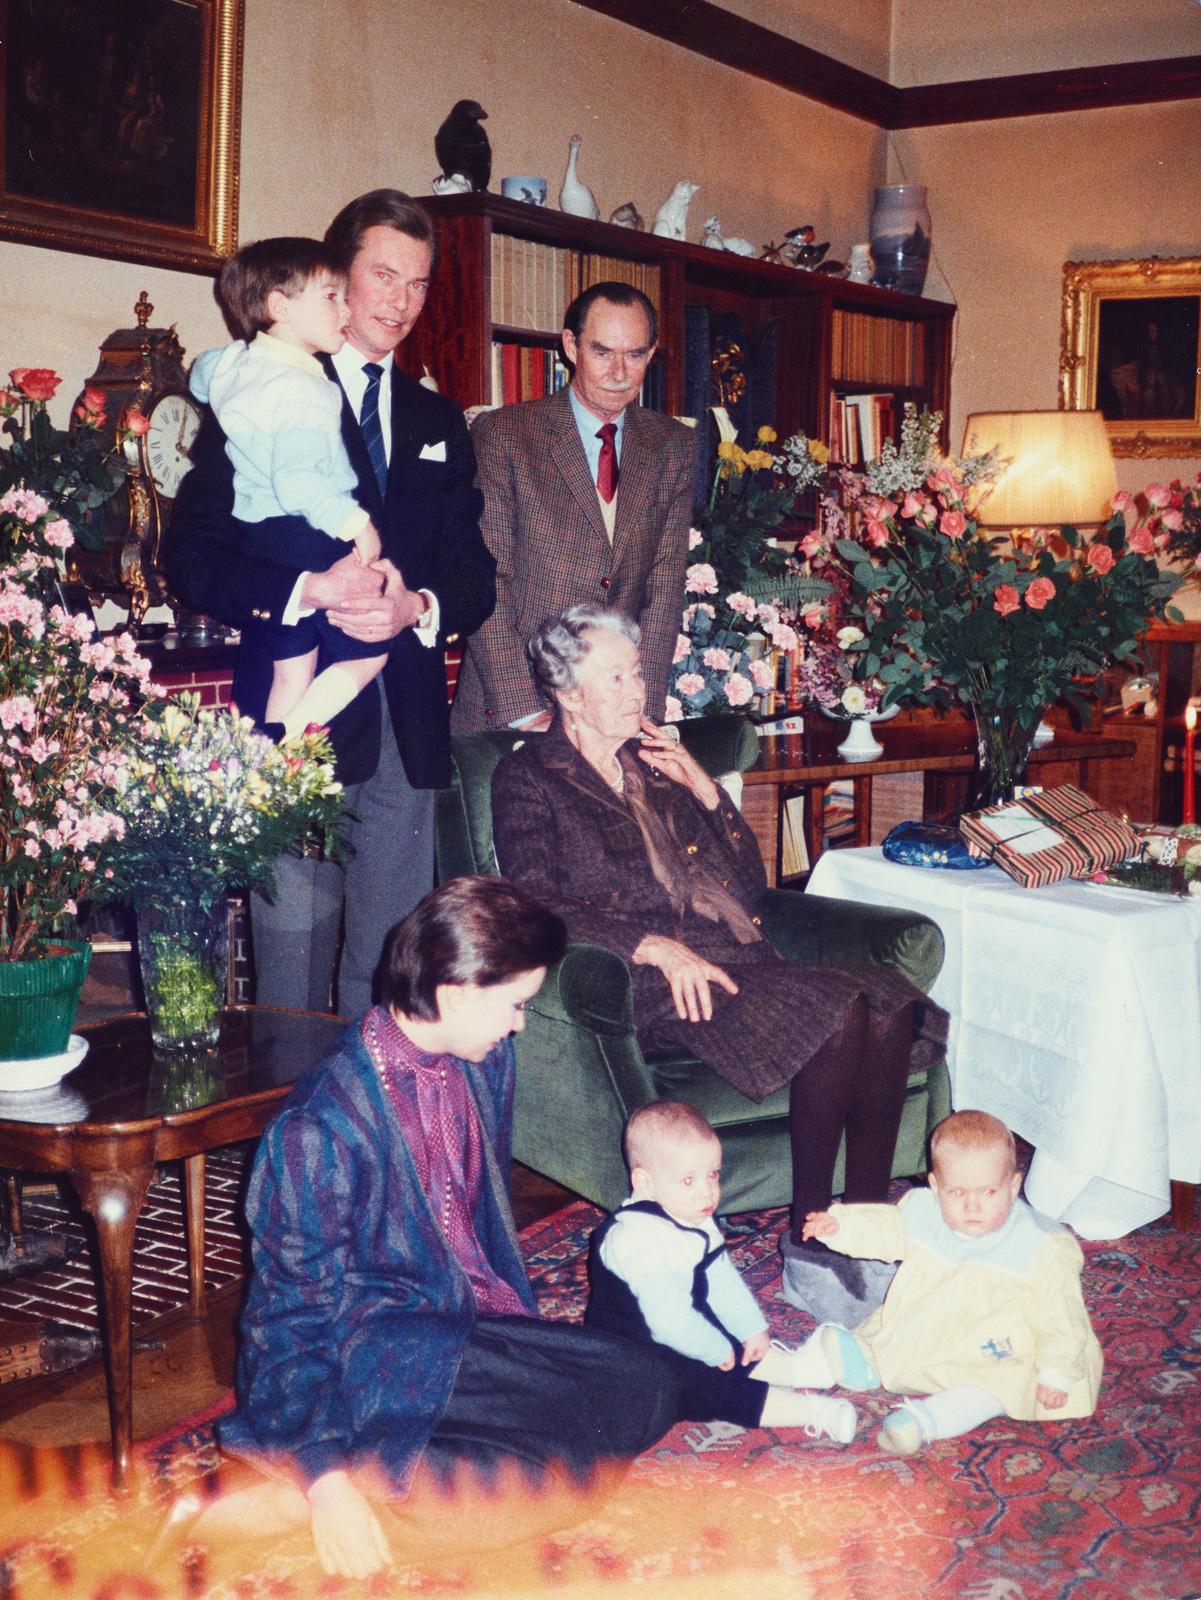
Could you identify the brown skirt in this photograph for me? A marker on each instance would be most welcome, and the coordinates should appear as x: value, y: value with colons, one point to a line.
x: 760, y: 1038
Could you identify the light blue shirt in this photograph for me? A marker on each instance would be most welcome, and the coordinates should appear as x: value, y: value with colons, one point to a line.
x: 589, y: 425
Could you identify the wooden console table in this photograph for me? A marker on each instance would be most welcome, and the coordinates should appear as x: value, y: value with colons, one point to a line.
x: 120, y: 1113
x: 944, y: 751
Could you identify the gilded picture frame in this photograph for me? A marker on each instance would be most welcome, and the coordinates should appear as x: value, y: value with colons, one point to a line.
x: 1130, y: 348
x: 121, y: 127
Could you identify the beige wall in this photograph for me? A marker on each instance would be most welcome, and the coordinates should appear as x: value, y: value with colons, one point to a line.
x: 649, y: 114
x: 857, y: 33
x: 936, y: 41
x: 1012, y: 201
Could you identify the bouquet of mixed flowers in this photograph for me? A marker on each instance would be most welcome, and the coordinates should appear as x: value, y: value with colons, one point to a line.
x: 70, y: 470
x: 742, y: 590
x: 1173, y: 520
x: 207, y: 804
x: 1005, y: 625
x: 69, y: 717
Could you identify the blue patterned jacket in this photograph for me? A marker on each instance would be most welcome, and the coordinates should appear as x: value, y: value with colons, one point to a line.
x: 358, y: 1313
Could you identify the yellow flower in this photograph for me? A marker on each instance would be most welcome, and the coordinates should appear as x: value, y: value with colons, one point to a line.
x: 766, y: 435
x: 175, y: 723
x: 819, y: 451
x: 727, y: 450
x: 759, y: 460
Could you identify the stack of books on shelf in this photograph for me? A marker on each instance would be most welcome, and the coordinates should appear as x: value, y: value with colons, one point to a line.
x: 873, y: 349
x: 525, y: 372
x: 533, y: 284
x: 859, y: 425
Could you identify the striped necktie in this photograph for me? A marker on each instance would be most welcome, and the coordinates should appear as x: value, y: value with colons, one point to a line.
x: 373, y: 433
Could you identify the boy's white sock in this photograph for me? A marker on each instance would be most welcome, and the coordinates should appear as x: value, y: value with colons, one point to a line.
x: 331, y: 691
x: 818, y: 1414
x: 807, y: 1367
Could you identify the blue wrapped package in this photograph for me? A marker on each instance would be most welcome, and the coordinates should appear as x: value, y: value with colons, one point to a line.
x: 930, y: 844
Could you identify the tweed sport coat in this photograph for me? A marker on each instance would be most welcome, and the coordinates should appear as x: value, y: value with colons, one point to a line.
x: 542, y: 522
x: 429, y: 527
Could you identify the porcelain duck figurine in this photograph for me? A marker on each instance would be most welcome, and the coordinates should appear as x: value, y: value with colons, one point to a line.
x: 576, y: 198
x: 672, y: 216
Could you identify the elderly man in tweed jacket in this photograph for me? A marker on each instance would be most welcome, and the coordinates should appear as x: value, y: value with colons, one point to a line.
x: 559, y: 533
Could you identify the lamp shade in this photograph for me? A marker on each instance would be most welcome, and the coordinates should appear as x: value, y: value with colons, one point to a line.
x: 1060, y: 467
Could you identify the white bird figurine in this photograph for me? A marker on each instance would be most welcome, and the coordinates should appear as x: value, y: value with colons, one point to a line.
x: 672, y: 216
x: 576, y: 198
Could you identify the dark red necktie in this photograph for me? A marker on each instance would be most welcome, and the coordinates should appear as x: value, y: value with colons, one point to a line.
x: 606, y: 467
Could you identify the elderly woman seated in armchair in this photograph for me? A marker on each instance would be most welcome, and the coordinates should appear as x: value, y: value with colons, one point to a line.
x: 607, y: 820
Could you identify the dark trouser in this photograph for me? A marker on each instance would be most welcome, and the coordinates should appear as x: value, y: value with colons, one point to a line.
x: 391, y: 839
x: 708, y: 1394
x: 551, y: 1395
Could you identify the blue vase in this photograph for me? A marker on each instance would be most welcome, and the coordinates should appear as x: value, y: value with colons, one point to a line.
x: 900, y: 237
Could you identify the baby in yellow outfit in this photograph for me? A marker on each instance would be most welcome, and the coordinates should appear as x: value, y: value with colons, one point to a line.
x: 985, y: 1316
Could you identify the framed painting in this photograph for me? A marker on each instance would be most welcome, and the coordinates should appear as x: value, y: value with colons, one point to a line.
x: 119, y: 135
x: 1130, y: 348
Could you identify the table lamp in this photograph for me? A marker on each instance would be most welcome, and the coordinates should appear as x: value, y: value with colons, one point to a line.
x: 1060, y: 471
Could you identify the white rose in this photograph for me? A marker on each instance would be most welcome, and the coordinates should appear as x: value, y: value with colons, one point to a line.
x: 854, y: 701
x: 848, y: 636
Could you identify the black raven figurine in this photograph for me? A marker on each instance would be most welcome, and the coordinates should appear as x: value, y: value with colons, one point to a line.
x: 461, y: 145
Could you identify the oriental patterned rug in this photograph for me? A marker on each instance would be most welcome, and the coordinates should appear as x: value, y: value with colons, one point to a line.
x: 1102, y: 1509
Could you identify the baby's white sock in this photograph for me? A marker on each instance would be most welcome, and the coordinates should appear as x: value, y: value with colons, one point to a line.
x: 939, y: 1416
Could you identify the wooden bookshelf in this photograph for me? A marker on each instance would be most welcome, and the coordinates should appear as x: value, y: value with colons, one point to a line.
x: 507, y: 271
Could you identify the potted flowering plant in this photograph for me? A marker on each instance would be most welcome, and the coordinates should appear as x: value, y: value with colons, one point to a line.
x: 1003, y: 625
x: 69, y: 469
x: 741, y: 588
x: 68, y: 715
x: 206, y: 804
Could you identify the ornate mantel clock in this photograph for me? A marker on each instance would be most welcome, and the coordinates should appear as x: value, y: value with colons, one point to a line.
x: 143, y: 367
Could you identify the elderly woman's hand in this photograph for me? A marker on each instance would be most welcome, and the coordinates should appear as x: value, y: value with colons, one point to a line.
x: 662, y: 751
x: 688, y: 974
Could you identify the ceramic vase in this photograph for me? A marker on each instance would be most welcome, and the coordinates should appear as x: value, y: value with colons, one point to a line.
x: 39, y: 998
x: 860, y: 743
x: 1004, y: 740
x: 182, y: 953
x: 900, y: 237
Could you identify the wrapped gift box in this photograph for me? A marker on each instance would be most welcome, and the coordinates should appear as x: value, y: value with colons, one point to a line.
x: 1043, y: 838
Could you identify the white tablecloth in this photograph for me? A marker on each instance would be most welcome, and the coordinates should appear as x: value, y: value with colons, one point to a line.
x: 1075, y: 1017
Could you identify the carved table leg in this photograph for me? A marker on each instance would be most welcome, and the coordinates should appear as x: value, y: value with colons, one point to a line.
x: 114, y: 1201
x: 193, y: 1170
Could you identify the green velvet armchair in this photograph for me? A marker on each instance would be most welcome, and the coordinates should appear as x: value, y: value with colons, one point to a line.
x: 581, y: 1071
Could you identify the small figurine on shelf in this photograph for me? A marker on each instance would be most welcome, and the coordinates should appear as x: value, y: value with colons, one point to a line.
x: 713, y: 239
x: 628, y: 216
x: 576, y: 198
x: 862, y: 265
x: 462, y: 147
x: 672, y: 216
x: 800, y: 249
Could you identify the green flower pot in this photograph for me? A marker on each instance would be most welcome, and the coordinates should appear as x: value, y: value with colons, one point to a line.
x: 39, y: 999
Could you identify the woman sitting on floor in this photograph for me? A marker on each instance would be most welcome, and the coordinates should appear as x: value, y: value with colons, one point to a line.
x: 390, y: 1337
x: 611, y: 823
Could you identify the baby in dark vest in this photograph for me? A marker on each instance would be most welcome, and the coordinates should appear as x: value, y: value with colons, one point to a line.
x: 660, y: 1273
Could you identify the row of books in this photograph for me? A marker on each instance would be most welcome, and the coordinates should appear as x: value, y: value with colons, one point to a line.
x: 525, y: 372
x: 871, y: 349
x: 859, y: 426
x: 533, y: 284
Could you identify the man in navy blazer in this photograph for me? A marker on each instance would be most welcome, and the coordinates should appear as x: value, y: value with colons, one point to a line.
x: 393, y: 751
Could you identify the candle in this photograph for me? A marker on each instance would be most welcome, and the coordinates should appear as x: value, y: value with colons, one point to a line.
x: 1190, y: 758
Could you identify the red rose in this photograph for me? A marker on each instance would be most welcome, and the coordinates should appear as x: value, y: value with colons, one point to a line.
x: 36, y: 383
x: 9, y: 402
x: 1099, y: 557
x: 1005, y: 599
x: 953, y: 524
x: 1039, y: 592
x: 135, y: 422
x: 1140, y: 541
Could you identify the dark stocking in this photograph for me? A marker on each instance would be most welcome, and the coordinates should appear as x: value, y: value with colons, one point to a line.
x: 876, y: 1105
x: 855, y: 1083
x: 819, y: 1103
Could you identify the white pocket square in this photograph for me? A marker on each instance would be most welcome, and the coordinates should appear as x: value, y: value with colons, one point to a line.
x: 433, y: 452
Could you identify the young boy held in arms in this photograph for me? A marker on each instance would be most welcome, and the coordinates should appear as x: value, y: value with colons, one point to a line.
x: 282, y: 419
x: 985, y: 1316
x: 660, y: 1273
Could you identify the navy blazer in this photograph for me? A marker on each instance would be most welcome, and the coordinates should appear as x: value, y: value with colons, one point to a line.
x: 429, y: 526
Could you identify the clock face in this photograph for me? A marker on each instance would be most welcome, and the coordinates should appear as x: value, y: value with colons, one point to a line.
x: 173, y: 424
